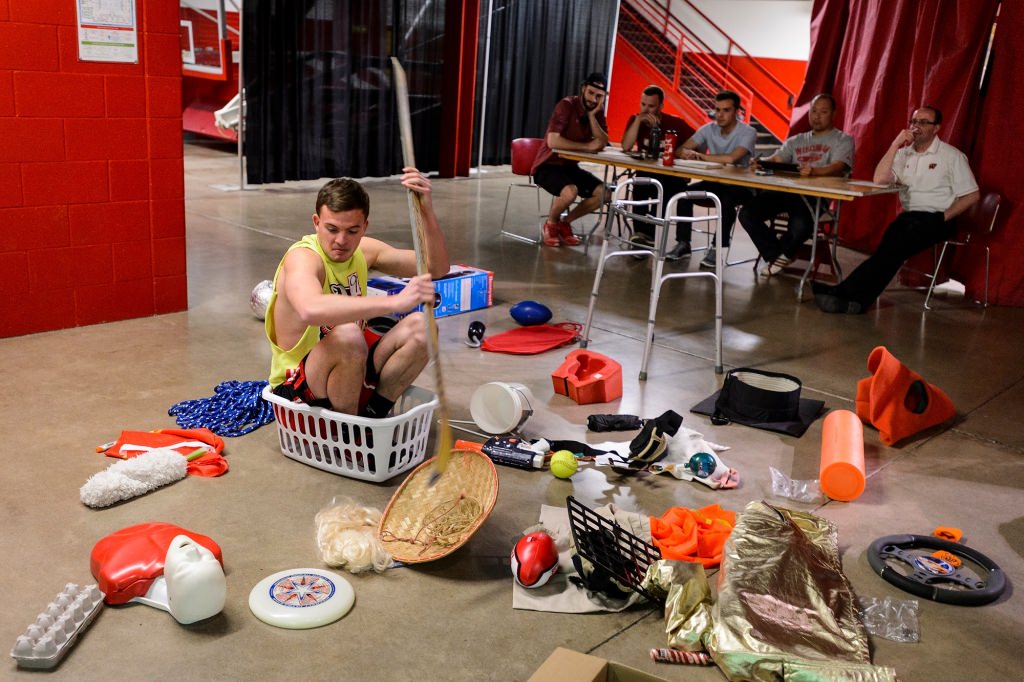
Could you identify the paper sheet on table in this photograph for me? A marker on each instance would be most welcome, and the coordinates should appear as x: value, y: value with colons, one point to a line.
x: 868, y: 183
x: 697, y: 164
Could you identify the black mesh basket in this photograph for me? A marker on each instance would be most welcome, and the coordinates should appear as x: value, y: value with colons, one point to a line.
x: 610, y: 547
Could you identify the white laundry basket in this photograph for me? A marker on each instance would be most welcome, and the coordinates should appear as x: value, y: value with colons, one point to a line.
x: 357, y: 447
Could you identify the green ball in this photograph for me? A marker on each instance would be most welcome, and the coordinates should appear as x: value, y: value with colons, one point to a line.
x: 563, y: 464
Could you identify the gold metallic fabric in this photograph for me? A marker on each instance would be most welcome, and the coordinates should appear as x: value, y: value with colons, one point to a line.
x: 785, y: 611
x: 688, y: 601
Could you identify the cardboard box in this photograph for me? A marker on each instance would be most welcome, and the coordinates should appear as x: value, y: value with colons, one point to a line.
x: 464, y: 288
x: 566, y: 665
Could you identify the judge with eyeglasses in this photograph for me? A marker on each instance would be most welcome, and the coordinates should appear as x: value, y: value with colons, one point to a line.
x: 936, y: 186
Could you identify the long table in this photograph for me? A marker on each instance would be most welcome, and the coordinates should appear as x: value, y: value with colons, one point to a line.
x: 820, y: 189
x: 814, y: 192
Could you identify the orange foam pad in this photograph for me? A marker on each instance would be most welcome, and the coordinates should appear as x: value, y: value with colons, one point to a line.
x: 948, y: 533
x: 693, y: 535
x: 841, y: 476
x: 897, y: 401
x: 588, y: 377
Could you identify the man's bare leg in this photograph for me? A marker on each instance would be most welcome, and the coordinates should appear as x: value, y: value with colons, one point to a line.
x: 401, y: 356
x: 336, y: 367
x: 562, y: 202
x: 588, y: 205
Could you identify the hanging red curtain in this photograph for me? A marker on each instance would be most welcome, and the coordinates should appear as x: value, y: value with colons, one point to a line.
x: 998, y: 148
x: 883, y: 58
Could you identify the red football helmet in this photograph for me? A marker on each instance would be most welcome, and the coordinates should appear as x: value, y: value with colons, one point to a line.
x: 534, y: 559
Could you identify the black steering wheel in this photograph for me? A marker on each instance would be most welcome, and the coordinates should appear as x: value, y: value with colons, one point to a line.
x: 932, y: 577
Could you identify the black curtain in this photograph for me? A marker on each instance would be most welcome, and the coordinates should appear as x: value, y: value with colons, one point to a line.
x: 540, y: 51
x: 318, y: 83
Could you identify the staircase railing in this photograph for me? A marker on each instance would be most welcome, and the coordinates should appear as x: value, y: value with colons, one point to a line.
x: 686, y: 107
x: 770, y: 103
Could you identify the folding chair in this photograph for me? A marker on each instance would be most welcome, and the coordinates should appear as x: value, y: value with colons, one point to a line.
x: 979, y: 220
x: 824, y: 248
x: 710, y: 235
x: 524, y: 151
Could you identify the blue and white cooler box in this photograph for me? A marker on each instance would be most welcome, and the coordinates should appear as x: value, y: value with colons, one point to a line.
x: 464, y: 288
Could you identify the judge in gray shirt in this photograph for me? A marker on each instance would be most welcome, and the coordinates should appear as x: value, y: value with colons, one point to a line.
x: 822, y: 151
x: 724, y: 140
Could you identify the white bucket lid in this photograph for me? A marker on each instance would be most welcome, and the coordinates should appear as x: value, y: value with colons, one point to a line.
x: 498, y: 407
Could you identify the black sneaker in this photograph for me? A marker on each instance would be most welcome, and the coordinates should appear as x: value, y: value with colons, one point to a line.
x: 678, y: 251
x: 709, y: 262
x: 642, y: 240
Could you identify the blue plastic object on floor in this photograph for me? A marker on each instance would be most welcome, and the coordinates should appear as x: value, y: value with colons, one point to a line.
x: 529, y: 313
x: 235, y: 409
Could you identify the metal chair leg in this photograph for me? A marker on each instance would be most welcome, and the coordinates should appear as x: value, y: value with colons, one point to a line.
x: 504, y: 215
x: 988, y: 254
x: 935, y: 275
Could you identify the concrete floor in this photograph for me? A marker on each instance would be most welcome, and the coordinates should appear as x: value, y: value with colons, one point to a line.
x: 452, y: 619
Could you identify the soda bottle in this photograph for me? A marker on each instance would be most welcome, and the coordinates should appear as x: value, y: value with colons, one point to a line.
x: 668, y: 149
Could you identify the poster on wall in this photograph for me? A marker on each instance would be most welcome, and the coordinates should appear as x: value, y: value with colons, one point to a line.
x: 107, y: 31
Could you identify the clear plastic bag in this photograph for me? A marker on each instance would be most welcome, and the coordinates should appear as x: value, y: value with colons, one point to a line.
x: 890, y: 618
x: 801, y: 491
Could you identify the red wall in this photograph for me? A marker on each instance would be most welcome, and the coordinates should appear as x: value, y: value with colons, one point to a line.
x: 789, y: 71
x: 92, y: 199
x: 626, y: 87
x: 791, y: 74
x: 630, y: 77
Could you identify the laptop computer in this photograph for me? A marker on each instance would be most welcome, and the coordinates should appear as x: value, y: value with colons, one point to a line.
x: 779, y: 166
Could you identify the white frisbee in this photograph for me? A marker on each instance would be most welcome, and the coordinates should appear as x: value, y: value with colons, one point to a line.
x: 301, y: 598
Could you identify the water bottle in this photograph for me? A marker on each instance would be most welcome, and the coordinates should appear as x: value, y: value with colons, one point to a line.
x: 654, y: 150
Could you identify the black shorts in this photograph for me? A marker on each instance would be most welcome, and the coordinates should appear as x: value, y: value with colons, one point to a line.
x: 554, y: 177
x: 296, y: 389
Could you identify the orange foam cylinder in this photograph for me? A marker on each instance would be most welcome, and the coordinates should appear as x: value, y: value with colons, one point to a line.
x: 842, y: 456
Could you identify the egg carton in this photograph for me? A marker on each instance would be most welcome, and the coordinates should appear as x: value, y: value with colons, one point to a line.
x: 47, y: 640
